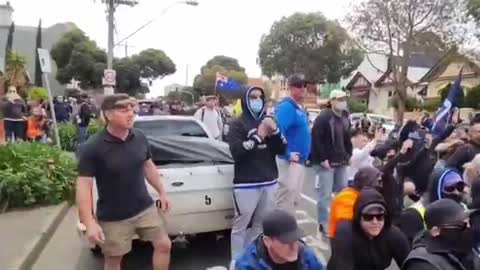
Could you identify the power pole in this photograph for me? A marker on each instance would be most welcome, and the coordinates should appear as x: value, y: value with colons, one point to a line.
x: 108, y: 88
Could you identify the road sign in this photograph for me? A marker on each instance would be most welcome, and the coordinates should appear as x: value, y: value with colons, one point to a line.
x: 109, y: 77
x: 45, y: 63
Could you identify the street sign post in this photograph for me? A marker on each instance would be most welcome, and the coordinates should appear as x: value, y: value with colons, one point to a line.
x: 46, y: 67
x: 109, y: 81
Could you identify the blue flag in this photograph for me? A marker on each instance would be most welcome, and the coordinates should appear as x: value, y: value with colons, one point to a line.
x: 444, y: 113
x: 228, y: 84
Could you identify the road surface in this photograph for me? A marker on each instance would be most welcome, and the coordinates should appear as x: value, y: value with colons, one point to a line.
x: 65, y: 251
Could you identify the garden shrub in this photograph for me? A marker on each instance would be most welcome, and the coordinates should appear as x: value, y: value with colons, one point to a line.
x: 35, y: 174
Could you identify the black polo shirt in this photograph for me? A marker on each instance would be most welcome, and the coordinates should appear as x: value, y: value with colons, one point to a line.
x: 117, y: 166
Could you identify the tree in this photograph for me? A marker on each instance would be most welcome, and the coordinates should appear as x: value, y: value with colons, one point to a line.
x: 9, y: 44
x: 308, y: 44
x: 394, y: 27
x: 204, y: 83
x: 38, y: 70
x: 15, y: 69
x: 79, y: 57
x: 472, y: 99
x: 473, y: 8
x: 154, y: 63
x: 460, y: 97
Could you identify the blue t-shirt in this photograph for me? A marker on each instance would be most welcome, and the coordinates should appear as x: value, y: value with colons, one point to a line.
x: 293, y: 123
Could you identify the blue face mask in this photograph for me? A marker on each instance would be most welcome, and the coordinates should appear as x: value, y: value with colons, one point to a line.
x: 256, y: 105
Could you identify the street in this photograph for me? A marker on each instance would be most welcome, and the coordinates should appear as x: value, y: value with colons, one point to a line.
x: 65, y: 251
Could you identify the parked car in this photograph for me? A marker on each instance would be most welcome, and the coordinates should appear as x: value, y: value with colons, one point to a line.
x: 197, y: 171
x: 377, y: 119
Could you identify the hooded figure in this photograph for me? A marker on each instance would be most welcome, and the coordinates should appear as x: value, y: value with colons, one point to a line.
x: 254, y: 142
x: 342, y: 204
x: 444, y: 183
x: 369, y: 241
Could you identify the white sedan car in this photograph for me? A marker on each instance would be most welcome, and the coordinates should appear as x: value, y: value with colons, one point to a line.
x: 197, y: 172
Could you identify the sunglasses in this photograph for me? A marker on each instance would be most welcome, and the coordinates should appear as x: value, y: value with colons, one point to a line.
x: 460, y: 187
x: 370, y: 217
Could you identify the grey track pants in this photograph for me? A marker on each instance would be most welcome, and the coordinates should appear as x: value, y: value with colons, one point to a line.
x: 250, y: 206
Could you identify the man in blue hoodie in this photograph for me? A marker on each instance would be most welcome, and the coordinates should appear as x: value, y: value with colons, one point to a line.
x: 254, y: 141
x: 293, y: 123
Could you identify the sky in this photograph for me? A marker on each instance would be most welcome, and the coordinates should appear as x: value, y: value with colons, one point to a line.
x: 189, y: 35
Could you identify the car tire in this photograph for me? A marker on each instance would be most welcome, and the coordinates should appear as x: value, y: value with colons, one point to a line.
x: 96, y: 251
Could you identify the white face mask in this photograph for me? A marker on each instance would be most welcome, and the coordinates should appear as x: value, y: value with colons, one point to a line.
x: 341, y: 106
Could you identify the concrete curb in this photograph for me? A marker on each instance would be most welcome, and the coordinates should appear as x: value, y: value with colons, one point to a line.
x: 35, y: 247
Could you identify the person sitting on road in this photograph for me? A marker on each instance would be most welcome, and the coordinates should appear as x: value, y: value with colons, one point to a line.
x: 342, y: 204
x: 280, y: 246
x: 369, y: 241
x: 448, y: 241
x: 254, y: 142
x: 444, y: 183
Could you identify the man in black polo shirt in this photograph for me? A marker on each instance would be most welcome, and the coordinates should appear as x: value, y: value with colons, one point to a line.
x: 119, y: 159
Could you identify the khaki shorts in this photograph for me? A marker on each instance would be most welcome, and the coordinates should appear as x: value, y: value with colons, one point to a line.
x: 148, y: 225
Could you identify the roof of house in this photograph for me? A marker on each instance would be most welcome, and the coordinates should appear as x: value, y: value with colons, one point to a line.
x: 256, y: 82
x: 372, y: 68
x: 444, y: 62
x: 24, y: 42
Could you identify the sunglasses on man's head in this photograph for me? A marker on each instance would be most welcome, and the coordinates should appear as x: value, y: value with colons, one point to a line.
x: 460, y: 186
x: 370, y: 217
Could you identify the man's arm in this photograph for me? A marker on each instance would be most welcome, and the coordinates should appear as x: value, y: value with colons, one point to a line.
x: 154, y: 179
x: 84, y: 199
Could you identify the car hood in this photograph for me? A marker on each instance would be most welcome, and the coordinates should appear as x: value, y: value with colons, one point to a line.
x: 189, y: 149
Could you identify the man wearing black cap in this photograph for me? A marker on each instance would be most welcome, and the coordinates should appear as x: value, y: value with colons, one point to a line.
x: 294, y: 126
x: 447, y: 244
x: 279, y: 247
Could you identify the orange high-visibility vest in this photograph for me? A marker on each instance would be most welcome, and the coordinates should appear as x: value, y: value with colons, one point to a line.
x: 34, y: 129
x: 342, y: 207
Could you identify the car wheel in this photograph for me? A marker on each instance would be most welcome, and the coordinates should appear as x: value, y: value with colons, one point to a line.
x: 96, y: 251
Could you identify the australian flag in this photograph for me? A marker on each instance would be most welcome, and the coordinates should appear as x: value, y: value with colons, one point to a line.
x: 444, y: 113
x: 225, y: 83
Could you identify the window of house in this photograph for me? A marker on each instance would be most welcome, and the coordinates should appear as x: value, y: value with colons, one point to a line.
x: 390, y: 93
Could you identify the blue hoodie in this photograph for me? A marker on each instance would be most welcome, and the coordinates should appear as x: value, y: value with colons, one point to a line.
x: 293, y: 123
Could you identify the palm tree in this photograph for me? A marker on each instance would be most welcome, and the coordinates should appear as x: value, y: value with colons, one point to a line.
x: 16, y: 69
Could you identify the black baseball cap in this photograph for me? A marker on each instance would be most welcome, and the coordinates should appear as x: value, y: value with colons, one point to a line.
x: 281, y: 225
x: 297, y: 80
x: 445, y: 212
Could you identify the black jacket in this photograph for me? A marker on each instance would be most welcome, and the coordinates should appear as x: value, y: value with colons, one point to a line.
x: 353, y: 250
x: 254, y: 157
x: 429, y: 254
x: 323, y: 137
x: 418, y: 163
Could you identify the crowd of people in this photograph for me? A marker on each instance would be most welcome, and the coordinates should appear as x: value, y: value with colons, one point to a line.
x: 409, y: 197
x: 29, y: 119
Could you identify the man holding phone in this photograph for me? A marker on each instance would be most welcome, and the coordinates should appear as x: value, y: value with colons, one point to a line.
x: 119, y: 159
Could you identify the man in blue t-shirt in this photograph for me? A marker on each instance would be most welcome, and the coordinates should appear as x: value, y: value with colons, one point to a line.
x: 293, y: 123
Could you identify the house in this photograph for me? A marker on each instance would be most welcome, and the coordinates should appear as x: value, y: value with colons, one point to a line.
x: 24, y: 42
x: 372, y: 82
x: 446, y: 70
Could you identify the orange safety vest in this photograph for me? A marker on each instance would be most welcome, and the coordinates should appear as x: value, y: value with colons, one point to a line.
x: 34, y: 129
x: 342, y: 207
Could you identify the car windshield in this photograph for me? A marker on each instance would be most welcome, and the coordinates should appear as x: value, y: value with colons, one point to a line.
x: 162, y: 128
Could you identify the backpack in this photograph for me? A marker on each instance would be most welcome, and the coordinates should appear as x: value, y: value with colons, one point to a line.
x: 219, y: 114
